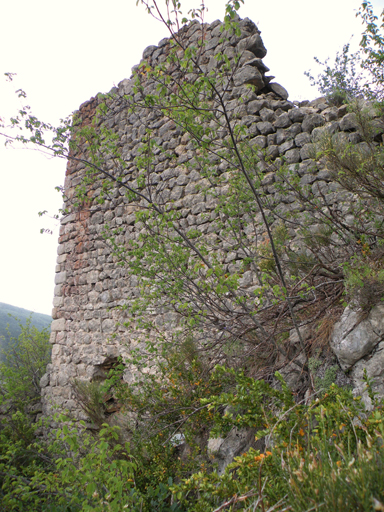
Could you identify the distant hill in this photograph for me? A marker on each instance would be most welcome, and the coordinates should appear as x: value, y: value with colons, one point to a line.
x: 38, y: 320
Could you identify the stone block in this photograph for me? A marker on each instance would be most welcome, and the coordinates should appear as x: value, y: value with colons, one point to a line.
x: 267, y: 114
x: 60, y: 278
x: 260, y: 141
x: 283, y: 121
x: 286, y: 146
x: 279, y: 90
x: 255, y: 106
x: 44, y: 381
x: 308, y: 151
x: 296, y: 115
x: 349, y: 123
x: 58, y: 325
x: 373, y: 365
x: 302, y: 138
x: 312, y: 121
x: 248, y: 75
x: 108, y: 325
x: 253, y: 44
x: 224, y: 450
x: 293, y: 156
x: 265, y: 128
x: 93, y: 276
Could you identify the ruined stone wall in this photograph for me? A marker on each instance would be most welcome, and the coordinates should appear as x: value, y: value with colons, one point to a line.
x: 89, y: 282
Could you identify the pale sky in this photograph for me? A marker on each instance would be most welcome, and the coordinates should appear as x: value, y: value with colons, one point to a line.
x: 66, y: 52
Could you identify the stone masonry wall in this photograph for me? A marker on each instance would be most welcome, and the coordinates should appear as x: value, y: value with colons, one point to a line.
x: 89, y: 282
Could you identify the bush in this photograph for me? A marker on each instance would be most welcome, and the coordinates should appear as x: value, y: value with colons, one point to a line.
x: 24, y: 363
x: 326, y: 455
x: 341, y: 82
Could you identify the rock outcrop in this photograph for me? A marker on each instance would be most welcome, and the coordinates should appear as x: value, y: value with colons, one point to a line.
x: 358, y: 344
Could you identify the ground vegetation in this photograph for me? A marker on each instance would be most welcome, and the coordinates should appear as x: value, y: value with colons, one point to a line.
x: 12, y: 316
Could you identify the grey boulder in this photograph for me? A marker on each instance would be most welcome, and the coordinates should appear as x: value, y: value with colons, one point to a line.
x: 353, y: 338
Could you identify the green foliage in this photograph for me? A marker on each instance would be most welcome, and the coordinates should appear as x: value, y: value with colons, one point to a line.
x: 327, y: 454
x: 97, y: 478
x: 364, y: 280
x: 161, y: 409
x: 322, y: 383
x: 90, y: 396
x: 24, y: 363
x: 372, y: 46
x: 341, y: 82
x: 11, y: 316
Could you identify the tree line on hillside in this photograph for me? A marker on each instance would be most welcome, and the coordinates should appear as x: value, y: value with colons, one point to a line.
x: 10, y: 319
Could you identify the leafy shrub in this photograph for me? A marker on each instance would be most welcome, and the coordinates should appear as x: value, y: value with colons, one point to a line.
x: 326, y: 455
x: 339, y: 82
x: 24, y: 363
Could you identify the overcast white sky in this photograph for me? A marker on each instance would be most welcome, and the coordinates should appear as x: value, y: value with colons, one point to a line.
x: 66, y: 52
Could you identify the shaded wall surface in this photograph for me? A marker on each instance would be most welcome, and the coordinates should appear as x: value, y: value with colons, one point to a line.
x: 89, y: 281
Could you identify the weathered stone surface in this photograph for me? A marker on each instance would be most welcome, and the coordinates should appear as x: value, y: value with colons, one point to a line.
x: 330, y: 114
x: 286, y: 146
x: 273, y: 152
x: 322, y: 132
x: 308, y: 151
x: 296, y: 115
x: 44, y: 381
x: 292, y: 156
x: 259, y: 141
x: 58, y: 325
x: 283, y: 121
x: 255, y: 106
x: 311, y: 121
x: 282, y: 136
x: 148, y: 51
x: 265, y: 128
x: 302, y: 138
x: 279, y: 90
x: 253, y: 44
x: 259, y: 64
x: 354, y: 338
x: 249, y: 75
x: 237, y: 441
x: 267, y: 114
x: 373, y: 364
x: 348, y: 122
x: 60, y: 277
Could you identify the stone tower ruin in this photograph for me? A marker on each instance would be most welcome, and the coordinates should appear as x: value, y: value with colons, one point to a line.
x: 89, y: 282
